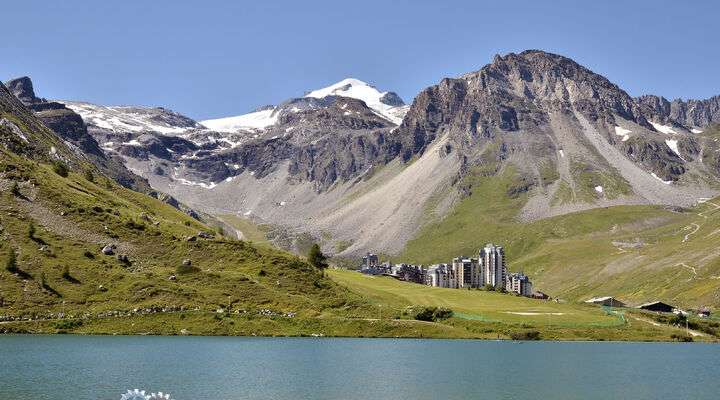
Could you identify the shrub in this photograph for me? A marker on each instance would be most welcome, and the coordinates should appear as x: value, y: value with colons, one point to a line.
x: 89, y: 254
x: 15, y: 189
x: 31, y: 231
x: 432, y: 314
x: 68, y: 324
x: 489, y: 287
x: 525, y: 335
x: 681, y: 338
x: 262, y: 272
x: 60, y: 168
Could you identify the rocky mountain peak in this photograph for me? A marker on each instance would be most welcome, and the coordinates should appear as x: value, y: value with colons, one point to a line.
x: 387, y: 104
x: 22, y: 88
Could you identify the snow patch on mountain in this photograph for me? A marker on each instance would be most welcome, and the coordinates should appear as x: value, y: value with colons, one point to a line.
x: 673, y: 145
x: 620, y: 131
x: 133, y: 118
x: 360, y: 90
x: 252, y: 121
x: 668, y: 130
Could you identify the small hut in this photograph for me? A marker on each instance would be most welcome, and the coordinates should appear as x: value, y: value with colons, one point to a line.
x: 657, y: 306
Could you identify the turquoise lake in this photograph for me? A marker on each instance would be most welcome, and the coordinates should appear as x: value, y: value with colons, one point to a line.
x: 229, y: 368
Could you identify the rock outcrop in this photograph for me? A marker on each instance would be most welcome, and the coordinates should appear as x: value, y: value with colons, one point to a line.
x: 691, y: 113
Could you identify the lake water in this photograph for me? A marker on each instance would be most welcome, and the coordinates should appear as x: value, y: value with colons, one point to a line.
x: 227, y: 368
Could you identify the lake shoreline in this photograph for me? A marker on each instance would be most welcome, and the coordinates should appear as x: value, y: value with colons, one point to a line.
x: 204, y: 325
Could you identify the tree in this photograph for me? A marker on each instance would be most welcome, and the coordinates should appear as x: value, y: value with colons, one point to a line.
x: 11, y: 263
x: 317, y: 258
x: 60, y: 168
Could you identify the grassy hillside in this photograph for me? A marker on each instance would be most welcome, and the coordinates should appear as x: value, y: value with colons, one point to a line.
x: 637, y: 253
x: 56, y: 226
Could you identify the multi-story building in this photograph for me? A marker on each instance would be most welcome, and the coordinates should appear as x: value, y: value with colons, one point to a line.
x: 519, y: 283
x: 493, y: 265
x: 468, y: 271
x: 440, y: 275
x: 370, y: 260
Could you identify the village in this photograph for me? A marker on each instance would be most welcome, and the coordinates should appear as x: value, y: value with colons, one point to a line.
x: 486, y: 271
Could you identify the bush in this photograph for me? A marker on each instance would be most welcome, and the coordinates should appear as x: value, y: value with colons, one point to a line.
x: 89, y: 254
x: 681, y: 338
x: 68, y: 324
x: 432, y: 314
x: 15, y: 189
x: 489, y: 287
x: 60, y: 168
x: 525, y: 335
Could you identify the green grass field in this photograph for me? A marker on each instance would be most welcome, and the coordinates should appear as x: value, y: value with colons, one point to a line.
x: 491, y: 314
x: 473, y: 304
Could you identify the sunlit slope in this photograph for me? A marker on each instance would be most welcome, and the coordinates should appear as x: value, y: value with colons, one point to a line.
x: 638, y: 253
x: 673, y: 259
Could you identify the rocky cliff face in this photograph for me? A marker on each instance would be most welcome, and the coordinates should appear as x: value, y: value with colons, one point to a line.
x: 532, y: 105
x: 696, y: 114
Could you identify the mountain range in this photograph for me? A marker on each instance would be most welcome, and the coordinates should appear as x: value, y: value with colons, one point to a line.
x: 359, y: 170
x: 532, y: 150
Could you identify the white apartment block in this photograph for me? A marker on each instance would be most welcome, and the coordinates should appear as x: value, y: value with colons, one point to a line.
x: 493, y: 263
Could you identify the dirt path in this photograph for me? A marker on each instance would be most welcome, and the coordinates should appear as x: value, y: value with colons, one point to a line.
x: 654, y: 323
x: 696, y: 227
x: 687, y: 236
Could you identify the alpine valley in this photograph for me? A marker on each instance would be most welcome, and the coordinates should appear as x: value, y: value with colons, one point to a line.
x: 591, y: 192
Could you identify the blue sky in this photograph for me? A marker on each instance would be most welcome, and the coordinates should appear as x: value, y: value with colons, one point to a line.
x: 214, y: 58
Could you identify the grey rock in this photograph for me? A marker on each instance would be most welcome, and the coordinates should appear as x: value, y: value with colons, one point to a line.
x: 205, y: 235
x: 691, y: 113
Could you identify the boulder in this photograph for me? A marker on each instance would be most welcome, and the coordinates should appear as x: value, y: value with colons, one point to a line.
x: 108, y: 250
x: 205, y: 235
x: 187, y: 262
